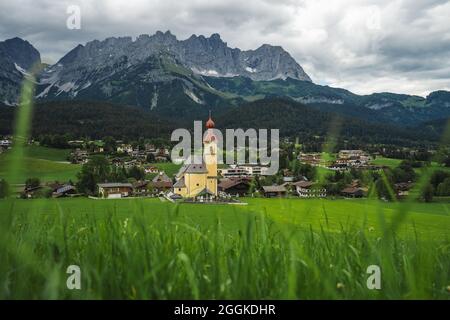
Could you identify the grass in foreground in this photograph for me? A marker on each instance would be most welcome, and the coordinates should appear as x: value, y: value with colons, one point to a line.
x: 146, y: 249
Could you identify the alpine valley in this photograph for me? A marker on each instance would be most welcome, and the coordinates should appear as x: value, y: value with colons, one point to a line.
x: 165, y: 76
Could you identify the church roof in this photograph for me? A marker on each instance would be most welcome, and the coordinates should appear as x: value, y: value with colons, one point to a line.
x: 204, y: 192
x: 193, y: 168
x: 180, y: 183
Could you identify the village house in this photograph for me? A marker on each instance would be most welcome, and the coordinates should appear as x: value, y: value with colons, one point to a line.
x: 79, y: 156
x: 338, y: 167
x: 132, y: 163
x: 118, y: 162
x: 66, y: 190
x: 5, y: 143
x: 313, y: 159
x: 254, y: 170
x: 352, y: 158
x: 161, y: 183
x: 124, y: 148
x: 151, y: 170
x: 234, y: 186
x: 233, y: 171
x: 140, y: 188
x: 309, y: 189
x: 352, y: 192
x: 402, y: 189
x: 288, y: 176
x: 274, y: 191
x: 97, y: 146
x: 149, y: 147
x: 115, y: 190
x: 75, y: 143
x: 30, y: 192
x: 161, y: 154
x: 248, y: 170
x: 134, y: 153
x: 347, y: 154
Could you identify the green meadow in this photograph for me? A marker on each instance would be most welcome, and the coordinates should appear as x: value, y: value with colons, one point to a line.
x: 389, y: 162
x: 267, y: 249
x: 47, y: 164
x: 392, y: 163
x: 169, y: 168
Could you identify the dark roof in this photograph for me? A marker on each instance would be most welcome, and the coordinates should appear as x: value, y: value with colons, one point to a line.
x: 30, y: 189
x: 55, y: 185
x: 65, y: 189
x: 162, y: 184
x: 350, y: 190
x: 205, y: 191
x: 403, y: 186
x: 180, y: 183
x: 140, y: 184
x: 274, y: 189
x: 192, y: 168
x: 303, y: 184
x: 229, y: 183
x: 162, y: 177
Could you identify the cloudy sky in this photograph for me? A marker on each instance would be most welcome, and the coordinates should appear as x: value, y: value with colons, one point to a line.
x: 362, y: 45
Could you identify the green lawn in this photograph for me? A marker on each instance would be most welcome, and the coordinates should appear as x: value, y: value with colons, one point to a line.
x: 392, y: 163
x: 45, y: 153
x: 269, y: 249
x: 168, y: 167
x: 47, y: 164
x: 389, y: 162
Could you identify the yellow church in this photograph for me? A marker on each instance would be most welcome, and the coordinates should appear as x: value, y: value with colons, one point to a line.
x: 200, y: 180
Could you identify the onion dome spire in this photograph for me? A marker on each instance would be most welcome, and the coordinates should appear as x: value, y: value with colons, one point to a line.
x: 210, y: 123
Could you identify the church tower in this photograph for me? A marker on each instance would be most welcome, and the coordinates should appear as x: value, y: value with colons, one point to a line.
x: 210, y: 156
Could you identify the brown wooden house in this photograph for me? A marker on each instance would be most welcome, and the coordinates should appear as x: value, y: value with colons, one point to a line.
x: 115, y: 190
x: 234, y: 186
x: 274, y: 191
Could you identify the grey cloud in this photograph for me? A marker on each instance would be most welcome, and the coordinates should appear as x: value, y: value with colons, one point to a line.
x: 332, y: 40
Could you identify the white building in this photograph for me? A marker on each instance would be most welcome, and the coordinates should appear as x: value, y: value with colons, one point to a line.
x: 243, y: 171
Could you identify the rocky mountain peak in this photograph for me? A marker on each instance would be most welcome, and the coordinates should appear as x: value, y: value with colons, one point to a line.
x: 208, y: 56
x: 21, y: 52
x: 17, y: 57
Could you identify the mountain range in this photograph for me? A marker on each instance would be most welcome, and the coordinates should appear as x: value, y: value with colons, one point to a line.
x: 186, y: 78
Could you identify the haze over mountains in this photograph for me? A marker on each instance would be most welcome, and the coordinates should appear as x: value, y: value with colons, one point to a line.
x: 187, y: 77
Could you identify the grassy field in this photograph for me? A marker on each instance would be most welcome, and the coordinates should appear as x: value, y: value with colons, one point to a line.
x: 392, y: 163
x: 168, y: 167
x: 45, y: 153
x: 47, y: 164
x: 270, y: 248
x: 389, y: 162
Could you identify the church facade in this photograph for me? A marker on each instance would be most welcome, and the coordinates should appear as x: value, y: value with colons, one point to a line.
x: 199, y: 180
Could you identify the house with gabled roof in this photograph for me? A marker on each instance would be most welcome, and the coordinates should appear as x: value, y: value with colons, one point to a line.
x: 161, y: 182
